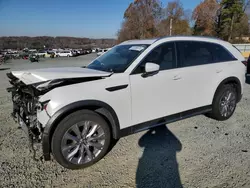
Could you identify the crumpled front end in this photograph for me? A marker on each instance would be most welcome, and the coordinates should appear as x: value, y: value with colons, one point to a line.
x: 25, y: 106
x: 30, y: 106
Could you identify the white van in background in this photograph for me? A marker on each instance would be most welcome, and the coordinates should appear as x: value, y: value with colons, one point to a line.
x: 65, y: 53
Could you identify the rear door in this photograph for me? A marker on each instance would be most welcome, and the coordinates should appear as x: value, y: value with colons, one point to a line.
x: 204, y: 65
x: 198, y: 72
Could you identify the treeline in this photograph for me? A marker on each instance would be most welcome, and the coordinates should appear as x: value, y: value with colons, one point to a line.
x: 226, y: 19
x: 53, y: 42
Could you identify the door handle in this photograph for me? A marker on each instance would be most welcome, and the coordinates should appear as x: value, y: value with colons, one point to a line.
x: 218, y: 71
x: 177, y: 77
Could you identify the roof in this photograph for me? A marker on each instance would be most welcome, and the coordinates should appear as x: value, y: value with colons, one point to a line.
x: 191, y: 36
x: 151, y: 41
x: 143, y: 41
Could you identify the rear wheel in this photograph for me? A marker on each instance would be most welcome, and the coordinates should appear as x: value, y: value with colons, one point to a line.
x: 81, y: 139
x: 224, y: 103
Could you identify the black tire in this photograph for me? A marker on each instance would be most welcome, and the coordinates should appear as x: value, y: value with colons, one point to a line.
x: 66, y: 124
x: 222, y: 91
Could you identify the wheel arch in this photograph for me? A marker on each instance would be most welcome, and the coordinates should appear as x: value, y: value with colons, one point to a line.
x: 102, y: 108
x: 231, y: 80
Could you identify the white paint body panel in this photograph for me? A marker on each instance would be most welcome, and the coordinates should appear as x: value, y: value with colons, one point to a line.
x: 94, y: 90
x: 165, y: 93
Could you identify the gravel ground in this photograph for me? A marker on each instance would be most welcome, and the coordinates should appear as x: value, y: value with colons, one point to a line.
x: 196, y: 152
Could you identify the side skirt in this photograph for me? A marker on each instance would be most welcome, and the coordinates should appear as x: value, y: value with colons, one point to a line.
x: 164, y: 120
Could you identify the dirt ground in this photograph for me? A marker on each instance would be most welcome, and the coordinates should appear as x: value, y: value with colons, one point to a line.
x: 196, y: 152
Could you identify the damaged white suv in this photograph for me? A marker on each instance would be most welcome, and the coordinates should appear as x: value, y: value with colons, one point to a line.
x: 77, y: 113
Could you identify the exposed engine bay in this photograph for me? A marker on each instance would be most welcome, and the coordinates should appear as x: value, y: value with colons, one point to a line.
x: 25, y: 105
x: 26, y: 102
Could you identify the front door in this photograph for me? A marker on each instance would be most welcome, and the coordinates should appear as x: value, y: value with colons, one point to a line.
x: 157, y: 95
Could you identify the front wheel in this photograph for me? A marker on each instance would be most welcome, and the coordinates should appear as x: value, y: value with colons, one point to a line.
x: 224, y: 103
x: 81, y: 139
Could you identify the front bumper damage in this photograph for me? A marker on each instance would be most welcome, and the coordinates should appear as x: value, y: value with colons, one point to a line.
x: 27, y: 109
x: 25, y: 106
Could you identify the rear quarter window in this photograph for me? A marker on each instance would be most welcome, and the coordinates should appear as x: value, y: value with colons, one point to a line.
x: 221, y: 54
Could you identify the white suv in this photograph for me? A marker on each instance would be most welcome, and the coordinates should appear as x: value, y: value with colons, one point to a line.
x: 65, y: 53
x: 77, y: 113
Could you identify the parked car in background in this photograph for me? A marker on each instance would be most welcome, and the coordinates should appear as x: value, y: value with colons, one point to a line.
x: 88, y: 51
x: 75, y: 53
x: 94, y: 50
x: 34, y: 57
x: 102, y: 51
x: 76, y: 113
x: 41, y: 53
x: 65, y: 53
x: 1, y: 58
x: 31, y: 51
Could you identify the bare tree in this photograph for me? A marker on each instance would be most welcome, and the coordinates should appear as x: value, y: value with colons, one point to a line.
x: 140, y: 20
x: 205, y: 15
x: 180, y: 20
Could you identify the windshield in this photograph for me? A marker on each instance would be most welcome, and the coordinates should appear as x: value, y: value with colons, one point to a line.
x: 117, y: 59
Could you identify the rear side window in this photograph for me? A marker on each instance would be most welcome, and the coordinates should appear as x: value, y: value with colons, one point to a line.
x: 192, y: 53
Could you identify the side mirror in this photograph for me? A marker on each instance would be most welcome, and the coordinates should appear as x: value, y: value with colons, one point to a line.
x: 151, y: 69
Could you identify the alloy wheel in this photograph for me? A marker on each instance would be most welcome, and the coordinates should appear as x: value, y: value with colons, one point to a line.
x: 227, y: 103
x: 82, y: 142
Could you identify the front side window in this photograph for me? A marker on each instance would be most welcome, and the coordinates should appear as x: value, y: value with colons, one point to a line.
x: 118, y: 59
x: 163, y: 55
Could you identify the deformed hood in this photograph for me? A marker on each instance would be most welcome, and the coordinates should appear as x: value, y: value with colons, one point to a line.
x: 41, y: 75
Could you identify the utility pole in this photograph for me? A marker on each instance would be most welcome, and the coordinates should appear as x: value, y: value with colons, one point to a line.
x: 231, y: 28
x: 171, y: 25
